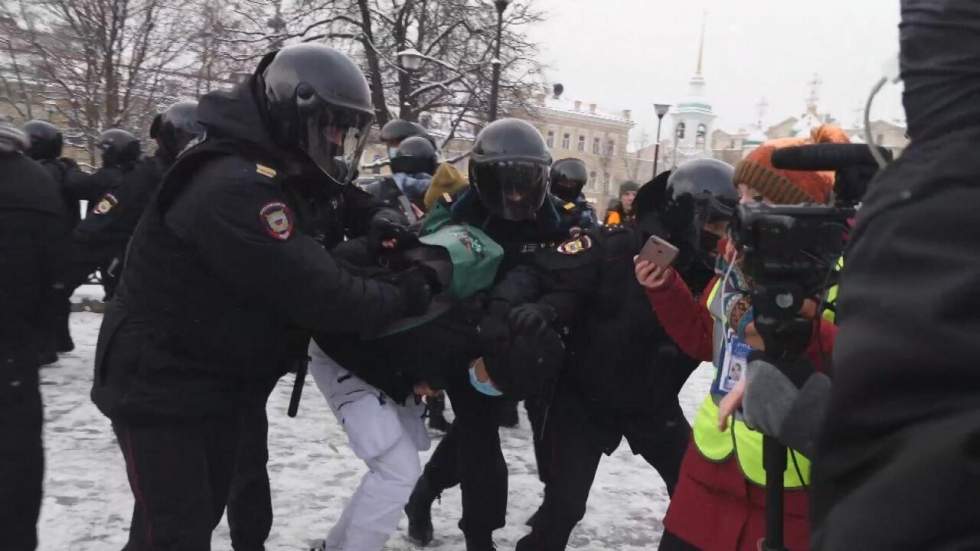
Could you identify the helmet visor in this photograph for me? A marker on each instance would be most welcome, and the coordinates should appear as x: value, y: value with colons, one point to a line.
x: 513, y: 190
x: 335, y: 140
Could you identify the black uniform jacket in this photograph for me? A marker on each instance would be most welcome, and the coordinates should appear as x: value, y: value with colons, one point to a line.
x: 224, y: 284
x: 897, y: 464
x: 32, y: 222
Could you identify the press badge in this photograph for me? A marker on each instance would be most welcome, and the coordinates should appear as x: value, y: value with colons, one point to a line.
x: 733, y: 365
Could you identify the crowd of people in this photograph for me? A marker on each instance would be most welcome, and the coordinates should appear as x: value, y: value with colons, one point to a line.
x: 248, y: 246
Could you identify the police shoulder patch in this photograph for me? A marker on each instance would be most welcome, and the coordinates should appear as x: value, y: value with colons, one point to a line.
x: 576, y: 245
x: 266, y: 171
x: 105, y: 204
x: 277, y: 220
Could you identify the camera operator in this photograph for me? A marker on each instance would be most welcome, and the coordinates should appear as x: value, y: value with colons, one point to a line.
x: 897, y: 462
x: 722, y: 477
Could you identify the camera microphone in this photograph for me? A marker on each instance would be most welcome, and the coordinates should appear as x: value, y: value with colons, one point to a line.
x: 829, y: 156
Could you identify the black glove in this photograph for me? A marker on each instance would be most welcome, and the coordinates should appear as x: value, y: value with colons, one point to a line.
x: 415, y: 289
x: 384, y: 229
x: 532, y: 319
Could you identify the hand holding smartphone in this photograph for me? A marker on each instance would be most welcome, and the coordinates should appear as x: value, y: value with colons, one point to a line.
x: 658, y: 251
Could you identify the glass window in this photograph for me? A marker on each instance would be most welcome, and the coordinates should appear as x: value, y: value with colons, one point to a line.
x: 581, y: 143
x: 702, y: 134
x: 611, y: 148
x: 551, y: 138
x: 592, y: 181
x: 681, y: 131
x: 596, y: 144
x: 566, y: 141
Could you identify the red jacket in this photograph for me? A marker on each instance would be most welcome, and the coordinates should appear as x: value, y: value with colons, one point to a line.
x: 714, y: 507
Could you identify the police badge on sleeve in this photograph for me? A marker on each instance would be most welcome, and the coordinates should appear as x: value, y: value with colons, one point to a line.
x: 277, y: 220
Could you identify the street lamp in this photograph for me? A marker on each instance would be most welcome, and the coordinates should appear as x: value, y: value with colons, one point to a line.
x: 661, y: 109
x: 501, y: 6
x: 411, y: 59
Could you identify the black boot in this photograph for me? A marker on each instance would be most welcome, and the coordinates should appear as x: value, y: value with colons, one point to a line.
x: 419, y: 512
x: 480, y: 542
x: 437, y: 419
x: 439, y: 423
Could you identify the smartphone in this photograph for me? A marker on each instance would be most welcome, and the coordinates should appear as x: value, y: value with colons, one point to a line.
x: 658, y: 251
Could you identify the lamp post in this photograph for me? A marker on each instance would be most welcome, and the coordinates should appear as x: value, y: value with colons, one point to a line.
x: 661, y: 109
x: 411, y: 59
x: 501, y: 6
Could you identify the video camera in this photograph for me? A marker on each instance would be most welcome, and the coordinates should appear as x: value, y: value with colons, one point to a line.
x: 791, y: 251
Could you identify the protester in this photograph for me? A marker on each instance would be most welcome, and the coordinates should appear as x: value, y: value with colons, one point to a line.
x: 620, y: 211
x: 32, y: 236
x: 720, y: 499
x: 896, y: 467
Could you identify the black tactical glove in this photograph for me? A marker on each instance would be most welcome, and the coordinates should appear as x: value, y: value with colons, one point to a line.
x: 383, y: 229
x: 532, y: 319
x: 416, y: 290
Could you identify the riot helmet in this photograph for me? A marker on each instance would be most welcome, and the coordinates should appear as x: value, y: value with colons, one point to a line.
x: 175, y: 128
x: 46, y: 140
x: 12, y: 139
x: 509, y: 168
x: 395, y: 131
x: 415, y: 156
x: 568, y: 178
x: 699, y: 192
x: 118, y: 147
x: 317, y: 103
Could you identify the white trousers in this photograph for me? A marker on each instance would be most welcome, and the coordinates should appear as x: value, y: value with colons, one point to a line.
x: 387, y: 437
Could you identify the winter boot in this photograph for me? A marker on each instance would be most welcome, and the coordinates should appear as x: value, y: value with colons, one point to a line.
x: 480, y: 542
x: 419, y: 512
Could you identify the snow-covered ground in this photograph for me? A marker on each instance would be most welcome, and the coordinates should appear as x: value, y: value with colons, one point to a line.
x: 87, y: 500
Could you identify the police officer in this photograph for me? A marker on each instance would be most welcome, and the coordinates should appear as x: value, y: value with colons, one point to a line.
x: 568, y: 179
x: 98, y: 240
x: 395, y: 131
x: 509, y: 200
x: 224, y: 284
x: 412, y: 167
x: 623, y: 372
x: 31, y: 218
x: 74, y: 186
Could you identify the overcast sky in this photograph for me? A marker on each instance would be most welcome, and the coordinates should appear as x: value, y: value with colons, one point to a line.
x: 628, y: 54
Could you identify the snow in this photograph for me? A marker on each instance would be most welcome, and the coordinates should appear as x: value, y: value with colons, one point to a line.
x: 87, y: 502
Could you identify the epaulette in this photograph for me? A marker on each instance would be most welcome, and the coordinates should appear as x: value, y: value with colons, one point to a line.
x: 569, y: 206
x: 447, y: 197
x: 266, y: 171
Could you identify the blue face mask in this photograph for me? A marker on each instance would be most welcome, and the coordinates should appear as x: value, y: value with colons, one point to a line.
x: 486, y: 388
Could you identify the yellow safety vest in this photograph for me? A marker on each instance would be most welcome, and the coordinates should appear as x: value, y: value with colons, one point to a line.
x: 745, y: 443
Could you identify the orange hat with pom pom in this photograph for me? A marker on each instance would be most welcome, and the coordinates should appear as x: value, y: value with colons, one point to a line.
x: 788, y: 187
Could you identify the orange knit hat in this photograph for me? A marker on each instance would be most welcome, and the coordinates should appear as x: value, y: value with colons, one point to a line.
x: 788, y: 187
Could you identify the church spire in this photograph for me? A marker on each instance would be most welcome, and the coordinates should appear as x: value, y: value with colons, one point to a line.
x: 704, y: 22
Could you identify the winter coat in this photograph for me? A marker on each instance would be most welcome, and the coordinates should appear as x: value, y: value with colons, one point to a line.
x: 224, y: 283
x: 715, y: 507
x: 896, y: 468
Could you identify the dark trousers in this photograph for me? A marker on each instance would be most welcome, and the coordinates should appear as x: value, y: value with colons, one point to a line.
x: 469, y: 455
x: 21, y: 455
x: 572, y: 447
x: 182, y: 474
x: 250, y: 499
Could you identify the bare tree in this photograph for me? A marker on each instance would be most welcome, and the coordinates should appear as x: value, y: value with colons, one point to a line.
x: 100, y: 63
x: 455, y: 36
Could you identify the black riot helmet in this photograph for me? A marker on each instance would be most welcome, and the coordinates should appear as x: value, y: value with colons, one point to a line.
x: 698, y: 192
x: 317, y: 103
x: 509, y: 168
x: 175, y: 128
x: 395, y: 131
x: 415, y: 155
x: 118, y: 147
x: 46, y: 140
x: 568, y: 177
